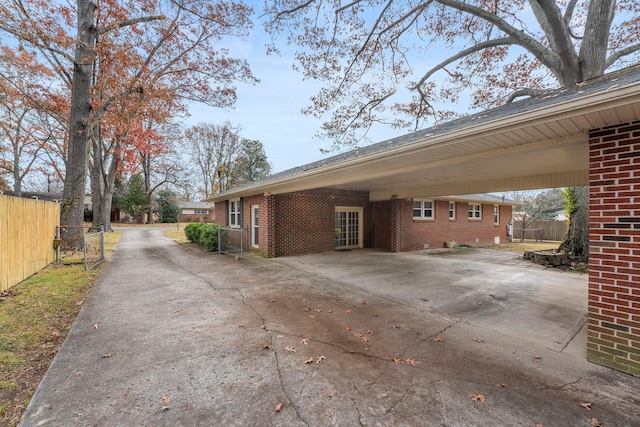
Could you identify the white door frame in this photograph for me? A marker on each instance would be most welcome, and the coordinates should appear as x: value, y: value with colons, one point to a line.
x: 255, y: 227
x: 350, y: 237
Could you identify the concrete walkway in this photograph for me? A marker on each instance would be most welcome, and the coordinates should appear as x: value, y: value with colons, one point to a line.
x: 172, y: 337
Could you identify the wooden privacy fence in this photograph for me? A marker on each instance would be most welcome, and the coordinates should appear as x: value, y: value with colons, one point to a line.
x: 27, y: 230
x: 540, y: 230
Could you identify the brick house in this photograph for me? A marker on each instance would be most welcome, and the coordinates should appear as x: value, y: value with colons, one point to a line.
x: 191, y: 211
x: 397, y: 194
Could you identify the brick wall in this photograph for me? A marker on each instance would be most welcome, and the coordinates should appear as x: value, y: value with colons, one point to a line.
x: 403, y: 233
x: 305, y: 220
x: 614, y: 247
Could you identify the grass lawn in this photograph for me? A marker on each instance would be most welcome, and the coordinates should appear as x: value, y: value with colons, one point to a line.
x: 177, y: 235
x: 35, y: 317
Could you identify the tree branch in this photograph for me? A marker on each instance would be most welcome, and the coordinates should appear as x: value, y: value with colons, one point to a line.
x: 476, y: 48
x: 525, y: 92
x: 537, y: 49
x: 128, y: 23
x: 619, y: 54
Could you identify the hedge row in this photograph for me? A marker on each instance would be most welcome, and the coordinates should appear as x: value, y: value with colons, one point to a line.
x: 204, y: 233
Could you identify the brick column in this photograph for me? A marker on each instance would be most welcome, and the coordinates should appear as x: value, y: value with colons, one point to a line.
x: 396, y: 222
x: 614, y: 247
x: 268, y: 226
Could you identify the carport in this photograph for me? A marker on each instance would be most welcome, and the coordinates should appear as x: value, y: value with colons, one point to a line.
x: 587, y: 134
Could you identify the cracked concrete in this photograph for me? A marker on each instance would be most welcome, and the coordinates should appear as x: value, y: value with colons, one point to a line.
x: 338, y: 339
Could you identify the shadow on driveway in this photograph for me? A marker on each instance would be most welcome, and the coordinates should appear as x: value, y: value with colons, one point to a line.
x: 170, y: 337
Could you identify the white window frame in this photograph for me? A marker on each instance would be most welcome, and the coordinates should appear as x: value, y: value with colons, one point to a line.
x: 496, y: 214
x: 452, y: 210
x: 475, y: 211
x: 423, y: 208
x: 201, y: 212
x: 235, y: 214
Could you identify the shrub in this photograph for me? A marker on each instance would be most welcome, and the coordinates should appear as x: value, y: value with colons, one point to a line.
x: 209, y: 236
x: 193, y: 230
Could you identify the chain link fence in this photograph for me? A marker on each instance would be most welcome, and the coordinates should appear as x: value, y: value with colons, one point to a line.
x: 82, y: 245
x: 232, y: 241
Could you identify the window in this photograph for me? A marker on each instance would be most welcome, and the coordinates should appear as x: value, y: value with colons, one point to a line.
x: 496, y: 214
x: 423, y: 209
x: 475, y: 211
x: 452, y: 210
x: 234, y: 213
x: 201, y: 211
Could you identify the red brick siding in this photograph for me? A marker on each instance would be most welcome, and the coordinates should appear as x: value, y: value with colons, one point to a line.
x: 410, y: 234
x: 614, y: 247
x: 305, y: 220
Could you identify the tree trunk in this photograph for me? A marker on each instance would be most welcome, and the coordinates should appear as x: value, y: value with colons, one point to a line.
x: 71, y: 212
x: 95, y: 169
x: 577, y: 241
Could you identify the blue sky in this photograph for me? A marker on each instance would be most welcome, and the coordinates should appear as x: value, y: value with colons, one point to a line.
x: 271, y: 110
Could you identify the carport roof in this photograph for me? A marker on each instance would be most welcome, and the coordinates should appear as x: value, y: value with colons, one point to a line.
x: 539, y: 142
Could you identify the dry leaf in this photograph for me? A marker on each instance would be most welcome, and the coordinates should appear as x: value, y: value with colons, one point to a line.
x: 397, y: 361
x: 479, y: 340
x: 307, y: 309
x: 477, y: 397
x: 349, y: 311
x: 166, y: 400
x: 586, y: 405
x: 365, y: 339
x: 357, y: 334
x: 106, y: 355
x: 537, y: 357
x: 320, y: 359
x: 438, y: 339
x: 165, y: 408
x: 364, y: 303
x: 396, y: 327
x: 278, y: 407
x: 376, y: 314
x: 304, y: 341
x: 56, y: 333
x: 383, y: 395
x: 412, y: 362
x: 348, y: 327
x: 263, y: 326
x: 96, y: 325
x: 318, y: 310
x: 370, y: 332
x: 424, y: 299
x: 504, y: 385
x: 330, y: 311
x: 309, y: 360
x: 266, y: 347
x: 290, y: 349
x: 241, y: 325
x: 594, y: 422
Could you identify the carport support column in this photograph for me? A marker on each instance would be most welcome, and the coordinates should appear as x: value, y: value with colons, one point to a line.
x: 396, y: 224
x: 614, y: 247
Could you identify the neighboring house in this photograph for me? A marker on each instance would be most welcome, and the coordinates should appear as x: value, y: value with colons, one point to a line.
x: 196, y: 212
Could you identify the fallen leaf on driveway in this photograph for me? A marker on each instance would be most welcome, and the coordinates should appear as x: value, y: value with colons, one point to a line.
x: 349, y: 311
x: 586, y: 405
x: 537, y: 357
x: 309, y: 360
x: 320, y: 359
x: 365, y: 339
x: 278, y: 407
x: 412, y: 362
x: 396, y: 327
x: 96, y: 325
x: 241, y: 325
x: 370, y: 332
x: 397, y: 361
x: 594, y: 422
x: 479, y: 340
x: 424, y: 299
x: 266, y: 347
x: 348, y: 327
x: 304, y: 341
x: 166, y: 399
x: 438, y: 339
x: 106, y: 355
x: 477, y: 397
x: 290, y: 349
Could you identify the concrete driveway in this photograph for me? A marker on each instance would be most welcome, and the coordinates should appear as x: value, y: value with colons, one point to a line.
x: 171, y: 337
